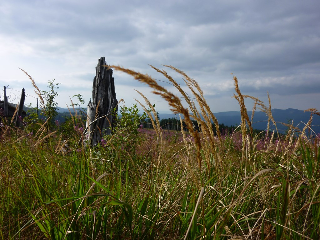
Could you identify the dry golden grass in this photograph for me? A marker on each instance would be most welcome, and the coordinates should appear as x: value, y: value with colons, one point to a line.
x: 173, y: 101
x: 37, y: 90
x: 245, y: 191
x: 155, y: 122
x: 208, y: 145
x: 14, y: 114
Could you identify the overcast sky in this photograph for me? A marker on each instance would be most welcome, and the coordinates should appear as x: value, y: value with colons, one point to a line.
x: 271, y: 46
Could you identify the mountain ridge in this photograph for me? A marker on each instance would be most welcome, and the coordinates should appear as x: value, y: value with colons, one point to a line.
x: 233, y: 118
x: 260, y: 119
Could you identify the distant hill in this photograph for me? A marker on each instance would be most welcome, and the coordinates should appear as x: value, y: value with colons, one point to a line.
x: 63, y: 110
x: 233, y: 118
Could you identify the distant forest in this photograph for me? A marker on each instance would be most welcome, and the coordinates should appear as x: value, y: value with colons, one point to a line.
x: 229, y: 121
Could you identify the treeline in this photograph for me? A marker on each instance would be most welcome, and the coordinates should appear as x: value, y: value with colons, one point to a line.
x: 175, y: 124
x: 165, y: 124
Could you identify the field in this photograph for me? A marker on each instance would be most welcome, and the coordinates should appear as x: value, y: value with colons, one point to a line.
x: 157, y: 184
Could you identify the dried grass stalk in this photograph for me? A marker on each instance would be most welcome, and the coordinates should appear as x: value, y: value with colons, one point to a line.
x: 15, y: 113
x: 155, y: 122
x: 37, y: 90
x: 173, y: 101
x: 45, y: 137
x: 205, y: 109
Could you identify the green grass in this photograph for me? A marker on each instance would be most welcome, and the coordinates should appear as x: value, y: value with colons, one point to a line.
x: 158, y: 184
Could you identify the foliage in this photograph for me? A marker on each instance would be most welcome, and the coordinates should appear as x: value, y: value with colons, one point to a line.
x: 129, y: 119
x: 149, y: 184
x: 125, y: 133
x: 50, y: 108
x: 32, y: 121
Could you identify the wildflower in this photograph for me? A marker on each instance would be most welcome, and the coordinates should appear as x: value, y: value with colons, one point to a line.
x: 30, y: 134
x: 140, y: 129
x: 78, y: 129
x: 103, y: 142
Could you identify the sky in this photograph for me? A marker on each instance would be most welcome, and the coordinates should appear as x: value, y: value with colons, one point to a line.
x: 270, y: 46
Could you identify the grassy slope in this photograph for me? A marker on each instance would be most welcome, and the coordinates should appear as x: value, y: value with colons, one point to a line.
x: 150, y: 184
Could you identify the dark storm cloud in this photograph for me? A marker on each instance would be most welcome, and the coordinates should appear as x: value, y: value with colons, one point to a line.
x: 269, y: 45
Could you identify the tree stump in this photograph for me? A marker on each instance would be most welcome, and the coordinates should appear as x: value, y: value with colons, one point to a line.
x: 20, y: 110
x: 9, y: 111
x: 102, y: 110
x: 5, y: 102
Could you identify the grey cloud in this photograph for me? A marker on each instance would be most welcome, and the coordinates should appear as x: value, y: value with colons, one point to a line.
x: 208, y: 40
x: 43, y: 21
x: 285, y: 86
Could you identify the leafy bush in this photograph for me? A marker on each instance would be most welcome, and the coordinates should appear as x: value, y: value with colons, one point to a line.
x: 50, y: 108
x: 125, y: 133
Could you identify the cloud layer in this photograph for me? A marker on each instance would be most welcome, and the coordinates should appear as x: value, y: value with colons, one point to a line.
x: 271, y: 46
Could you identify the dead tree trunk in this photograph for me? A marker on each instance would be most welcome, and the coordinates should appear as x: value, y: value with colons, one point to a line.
x: 102, y: 110
x: 5, y: 102
x: 19, y: 115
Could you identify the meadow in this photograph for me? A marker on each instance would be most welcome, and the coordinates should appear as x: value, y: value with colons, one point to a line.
x: 153, y: 183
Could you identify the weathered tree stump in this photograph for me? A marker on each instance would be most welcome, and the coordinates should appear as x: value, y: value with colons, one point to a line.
x: 5, y: 102
x: 9, y: 111
x: 102, y: 110
x: 20, y: 110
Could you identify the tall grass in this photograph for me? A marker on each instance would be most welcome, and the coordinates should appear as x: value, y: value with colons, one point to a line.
x: 159, y: 184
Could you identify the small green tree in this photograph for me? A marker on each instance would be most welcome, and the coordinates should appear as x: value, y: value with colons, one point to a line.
x: 125, y: 133
x: 50, y: 108
x: 75, y: 121
x: 130, y: 119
